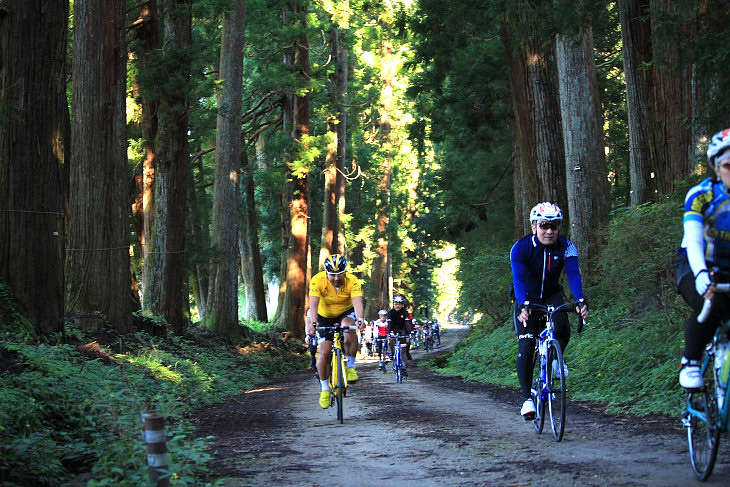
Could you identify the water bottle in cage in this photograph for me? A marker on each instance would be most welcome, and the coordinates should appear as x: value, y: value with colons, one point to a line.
x: 722, y: 364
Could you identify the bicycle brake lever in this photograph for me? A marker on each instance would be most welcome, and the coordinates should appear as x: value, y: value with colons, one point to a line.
x: 581, y: 323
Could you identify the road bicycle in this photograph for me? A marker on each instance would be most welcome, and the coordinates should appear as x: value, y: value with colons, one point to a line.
x: 548, y: 383
x: 707, y: 413
x: 381, y: 345
x: 338, y: 378
x: 399, y: 364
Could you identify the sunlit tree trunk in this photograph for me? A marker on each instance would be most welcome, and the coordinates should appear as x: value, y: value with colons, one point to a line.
x: 297, y: 191
x: 34, y: 140
x: 223, y: 301
x: 97, y: 266
x: 165, y: 292
x: 535, y: 104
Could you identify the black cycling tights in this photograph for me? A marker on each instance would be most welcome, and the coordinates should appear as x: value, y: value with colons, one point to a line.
x: 698, y: 335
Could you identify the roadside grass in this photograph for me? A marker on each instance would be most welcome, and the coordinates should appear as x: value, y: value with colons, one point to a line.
x: 72, y: 405
x: 628, y: 355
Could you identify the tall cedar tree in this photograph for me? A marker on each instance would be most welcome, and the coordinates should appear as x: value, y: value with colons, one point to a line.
x: 165, y: 288
x: 97, y: 265
x: 34, y: 139
x: 223, y: 298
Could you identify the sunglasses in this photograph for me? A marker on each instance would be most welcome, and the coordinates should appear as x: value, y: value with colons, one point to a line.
x: 549, y: 225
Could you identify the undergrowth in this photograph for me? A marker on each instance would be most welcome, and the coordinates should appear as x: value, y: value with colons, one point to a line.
x: 628, y: 355
x: 72, y: 405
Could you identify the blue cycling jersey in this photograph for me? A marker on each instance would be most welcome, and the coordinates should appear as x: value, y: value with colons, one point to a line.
x: 536, y: 268
x: 707, y: 203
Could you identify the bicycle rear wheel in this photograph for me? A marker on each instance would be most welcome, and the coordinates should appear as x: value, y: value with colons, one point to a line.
x: 703, y: 435
x: 556, y: 386
x: 539, y: 421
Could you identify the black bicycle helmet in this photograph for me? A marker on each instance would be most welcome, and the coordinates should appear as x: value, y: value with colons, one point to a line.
x: 335, y: 264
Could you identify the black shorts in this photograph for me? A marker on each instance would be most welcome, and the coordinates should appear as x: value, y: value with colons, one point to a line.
x: 330, y: 335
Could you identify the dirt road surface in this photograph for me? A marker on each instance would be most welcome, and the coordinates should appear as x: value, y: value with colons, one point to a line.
x: 434, y: 431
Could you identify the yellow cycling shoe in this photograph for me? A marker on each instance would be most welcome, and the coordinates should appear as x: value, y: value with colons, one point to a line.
x: 351, y: 374
x: 324, y: 399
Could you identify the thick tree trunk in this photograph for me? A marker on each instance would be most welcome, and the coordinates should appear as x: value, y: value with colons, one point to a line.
x: 585, y: 161
x: 673, y: 97
x: 296, y: 288
x: 223, y: 301
x: 34, y: 140
x: 98, y: 271
x: 165, y: 292
x: 637, y: 55
x: 535, y: 104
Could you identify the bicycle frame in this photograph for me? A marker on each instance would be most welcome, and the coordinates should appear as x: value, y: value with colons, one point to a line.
x: 338, y: 378
x: 722, y: 412
x: 398, y: 360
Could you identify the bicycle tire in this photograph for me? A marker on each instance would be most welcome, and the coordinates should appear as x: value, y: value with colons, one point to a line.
x: 397, y: 358
x: 557, y: 400
x: 539, y: 422
x: 340, y: 389
x: 703, y: 435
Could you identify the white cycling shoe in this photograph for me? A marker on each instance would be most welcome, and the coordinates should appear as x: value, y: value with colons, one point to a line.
x: 528, y: 410
x: 690, y: 376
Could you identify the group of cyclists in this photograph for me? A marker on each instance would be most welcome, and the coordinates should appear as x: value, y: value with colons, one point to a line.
x: 337, y: 296
x: 426, y: 334
x: 538, y: 260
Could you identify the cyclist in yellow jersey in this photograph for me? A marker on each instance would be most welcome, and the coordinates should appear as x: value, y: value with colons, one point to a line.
x: 337, y: 296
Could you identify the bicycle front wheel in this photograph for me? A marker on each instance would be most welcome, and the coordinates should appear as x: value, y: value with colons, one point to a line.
x: 338, y: 379
x: 703, y: 436
x: 537, y: 386
x: 556, y: 387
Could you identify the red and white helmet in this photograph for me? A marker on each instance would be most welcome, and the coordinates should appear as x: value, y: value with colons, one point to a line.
x: 545, y: 212
x: 720, y: 141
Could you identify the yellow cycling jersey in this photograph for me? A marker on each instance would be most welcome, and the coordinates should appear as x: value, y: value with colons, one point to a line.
x: 334, y: 302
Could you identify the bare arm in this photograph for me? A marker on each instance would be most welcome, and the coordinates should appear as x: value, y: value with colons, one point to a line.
x: 359, y: 304
x: 313, y: 306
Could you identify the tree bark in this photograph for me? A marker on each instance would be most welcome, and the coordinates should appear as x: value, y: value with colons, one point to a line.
x: 637, y: 55
x: 534, y: 84
x: 165, y: 292
x: 223, y: 300
x: 585, y: 161
x: 34, y: 141
x: 97, y: 266
x: 298, y: 193
x: 251, y: 264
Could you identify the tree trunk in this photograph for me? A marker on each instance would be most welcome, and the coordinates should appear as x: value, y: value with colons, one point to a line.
x: 636, y: 37
x: 296, y: 289
x: 165, y: 292
x: 97, y: 266
x: 34, y: 140
x: 251, y: 264
x: 535, y: 104
x: 585, y: 161
x: 223, y: 300
x: 673, y: 97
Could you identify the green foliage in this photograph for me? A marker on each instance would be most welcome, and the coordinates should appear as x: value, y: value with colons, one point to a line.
x: 628, y: 354
x: 11, y: 320
x: 75, y: 408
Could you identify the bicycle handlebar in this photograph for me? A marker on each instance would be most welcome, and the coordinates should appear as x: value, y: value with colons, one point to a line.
x: 565, y: 308
x: 723, y: 287
x: 337, y: 327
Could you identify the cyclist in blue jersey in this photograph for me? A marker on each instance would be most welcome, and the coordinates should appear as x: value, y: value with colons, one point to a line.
x: 705, y: 246
x: 537, y: 261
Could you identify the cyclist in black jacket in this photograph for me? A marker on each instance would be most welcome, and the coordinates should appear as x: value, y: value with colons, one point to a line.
x: 399, y: 323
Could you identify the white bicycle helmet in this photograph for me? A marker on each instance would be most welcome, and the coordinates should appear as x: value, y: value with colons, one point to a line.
x: 720, y: 141
x: 545, y: 212
x: 382, y: 312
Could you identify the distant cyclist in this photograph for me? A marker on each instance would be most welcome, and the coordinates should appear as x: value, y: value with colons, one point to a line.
x: 311, y: 340
x: 380, y: 336
x: 436, y: 330
x: 337, y: 296
x: 399, y: 323
x: 537, y: 261
x: 705, y: 245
